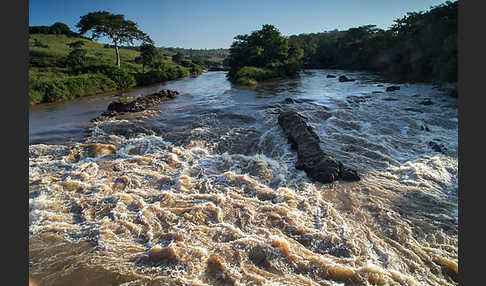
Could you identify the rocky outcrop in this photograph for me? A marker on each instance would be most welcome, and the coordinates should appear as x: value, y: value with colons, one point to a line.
x: 137, y: 104
x: 142, y: 103
x: 426, y: 102
x: 344, y: 78
x: 289, y: 100
x: 318, y: 165
x: 453, y: 93
x: 437, y: 147
x: 330, y: 76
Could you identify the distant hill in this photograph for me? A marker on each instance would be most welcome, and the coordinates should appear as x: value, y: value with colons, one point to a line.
x: 210, y: 55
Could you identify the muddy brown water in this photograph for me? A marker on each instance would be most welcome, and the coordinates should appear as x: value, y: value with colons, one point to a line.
x: 203, y: 190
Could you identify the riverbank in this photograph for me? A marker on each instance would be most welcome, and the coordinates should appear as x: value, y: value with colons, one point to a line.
x: 53, y: 79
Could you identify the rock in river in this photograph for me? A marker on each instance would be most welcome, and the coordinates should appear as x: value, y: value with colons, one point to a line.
x: 318, y: 165
x: 344, y: 78
x: 392, y: 88
x: 137, y: 104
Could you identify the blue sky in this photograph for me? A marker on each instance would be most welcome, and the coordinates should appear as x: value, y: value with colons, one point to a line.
x: 213, y: 23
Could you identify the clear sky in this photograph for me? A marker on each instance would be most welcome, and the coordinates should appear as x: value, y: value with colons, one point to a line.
x: 212, y: 24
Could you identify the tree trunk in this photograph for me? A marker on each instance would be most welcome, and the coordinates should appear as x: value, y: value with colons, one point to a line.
x: 117, y: 55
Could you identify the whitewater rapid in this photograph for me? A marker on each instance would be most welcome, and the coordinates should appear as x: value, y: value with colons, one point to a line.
x: 203, y: 190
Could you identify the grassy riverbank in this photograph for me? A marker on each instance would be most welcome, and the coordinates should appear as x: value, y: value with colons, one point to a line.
x: 52, y: 79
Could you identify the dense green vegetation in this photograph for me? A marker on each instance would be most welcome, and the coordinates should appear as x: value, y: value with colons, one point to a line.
x: 262, y: 55
x: 209, y: 58
x: 421, y: 46
x: 65, y: 65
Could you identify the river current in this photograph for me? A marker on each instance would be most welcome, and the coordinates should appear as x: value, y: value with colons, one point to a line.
x: 203, y: 189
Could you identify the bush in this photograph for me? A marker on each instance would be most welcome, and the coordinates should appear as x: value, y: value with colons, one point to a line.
x: 68, y: 88
x: 251, y: 75
x: 122, y: 77
x: 163, y: 73
x: 76, y: 60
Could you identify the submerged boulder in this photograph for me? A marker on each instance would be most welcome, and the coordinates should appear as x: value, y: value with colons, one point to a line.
x: 318, y: 165
x: 437, y: 147
x: 344, y: 78
x: 392, y: 88
x: 289, y: 100
x: 330, y: 76
x: 426, y: 102
x: 453, y: 93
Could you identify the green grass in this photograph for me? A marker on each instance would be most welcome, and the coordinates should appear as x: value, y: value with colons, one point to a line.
x: 58, y: 48
x: 50, y: 80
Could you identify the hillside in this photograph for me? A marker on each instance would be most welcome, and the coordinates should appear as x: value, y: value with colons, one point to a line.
x: 51, y: 78
x: 47, y: 51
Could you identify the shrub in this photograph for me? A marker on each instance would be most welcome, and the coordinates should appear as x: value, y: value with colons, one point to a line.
x: 68, y: 88
x: 251, y: 75
x: 163, y: 73
x: 121, y: 76
x: 75, y: 60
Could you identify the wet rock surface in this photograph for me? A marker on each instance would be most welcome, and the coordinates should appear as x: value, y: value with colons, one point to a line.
x: 392, y: 88
x: 136, y: 105
x: 427, y: 102
x: 344, y: 78
x: 318, y: 165
x: 437, y: 147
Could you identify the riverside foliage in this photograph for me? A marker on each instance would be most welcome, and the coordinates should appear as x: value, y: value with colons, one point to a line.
x: 262, y: 55
x: 421, y: 46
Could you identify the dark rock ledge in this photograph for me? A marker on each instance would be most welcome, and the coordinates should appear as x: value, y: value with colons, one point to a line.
x: 318, y: 165
x: 137, y: 104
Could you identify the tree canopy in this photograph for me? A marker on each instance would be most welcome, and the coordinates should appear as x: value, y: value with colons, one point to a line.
x: 57, y: 28
x: 113, y: 26
x: 267, y: 49
x: 420, y: 46
x: 148, y: 53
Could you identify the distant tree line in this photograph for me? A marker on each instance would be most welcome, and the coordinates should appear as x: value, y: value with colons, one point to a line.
x: 57, y: 28
x: 421, y: 46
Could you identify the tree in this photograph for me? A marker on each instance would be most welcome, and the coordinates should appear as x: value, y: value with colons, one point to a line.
x: 119, y: 30
x: 148, y: 53
x: 267, y: 49
x: 75, y: 60
x: 59, y: 28
x: 178, y: 58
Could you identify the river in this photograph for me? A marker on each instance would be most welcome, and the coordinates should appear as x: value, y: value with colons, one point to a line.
x: 203, y: 190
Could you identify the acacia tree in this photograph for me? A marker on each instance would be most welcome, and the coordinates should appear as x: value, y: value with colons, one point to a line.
x: 115, y: 27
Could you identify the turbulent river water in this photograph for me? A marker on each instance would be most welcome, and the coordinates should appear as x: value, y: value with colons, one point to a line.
x: 203, y: 189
